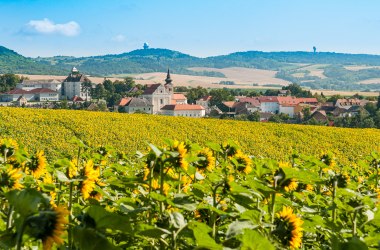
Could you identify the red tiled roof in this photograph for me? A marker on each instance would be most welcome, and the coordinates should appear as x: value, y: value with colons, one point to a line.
x: 205, y: 98
x: 229, y: 104
x: 151, y: 88
x: 179, y: 97
x: 182, y: 107
x: 307, y: 100
x: 124, y: 101
x: 42, y: 90
x: 17, y: 91
x: 77, y: 99
x: 250, y: 100
x: 268, y: 98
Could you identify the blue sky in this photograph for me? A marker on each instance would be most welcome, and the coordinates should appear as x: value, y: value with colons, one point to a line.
x: 197, y: 27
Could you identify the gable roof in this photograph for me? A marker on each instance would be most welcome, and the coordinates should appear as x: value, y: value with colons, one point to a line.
x: 77, y: 78
x: 124, y: 101
x: 42, y: 90
x: 205, y: 98
x: 179, y: 97
x: 42, y: 81
x: 151, y: 88
x: 182, y: 107
x: 138, y: 102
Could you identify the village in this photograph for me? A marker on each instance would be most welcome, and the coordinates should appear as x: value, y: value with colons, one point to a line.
x: 161, y: 99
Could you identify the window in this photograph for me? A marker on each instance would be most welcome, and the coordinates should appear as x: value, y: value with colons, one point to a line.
x: 161, y: 101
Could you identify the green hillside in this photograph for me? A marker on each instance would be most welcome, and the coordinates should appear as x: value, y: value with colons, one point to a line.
x: 11, y: 62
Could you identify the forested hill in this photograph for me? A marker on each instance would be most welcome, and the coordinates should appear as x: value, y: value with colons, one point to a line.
x: 158, y: 60
x: 12, y: 62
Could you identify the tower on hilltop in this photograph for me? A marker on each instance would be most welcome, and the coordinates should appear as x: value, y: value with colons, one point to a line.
x: 146, y: 46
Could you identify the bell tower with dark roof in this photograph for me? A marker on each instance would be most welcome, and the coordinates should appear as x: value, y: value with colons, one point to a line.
x: 168, y: 83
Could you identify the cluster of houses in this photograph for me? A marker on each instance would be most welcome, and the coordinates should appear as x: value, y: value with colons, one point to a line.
x: 294, y: 107
x: 49, y: 90
x: 161, y: 99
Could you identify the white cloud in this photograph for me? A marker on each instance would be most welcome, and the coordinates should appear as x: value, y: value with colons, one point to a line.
x: 118, y: 38
x: 46, y: 26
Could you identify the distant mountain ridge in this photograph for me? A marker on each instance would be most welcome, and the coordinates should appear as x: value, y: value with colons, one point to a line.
x: 158, y: 60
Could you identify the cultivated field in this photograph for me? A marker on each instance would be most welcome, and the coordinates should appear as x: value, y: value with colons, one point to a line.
x: 52, y: 130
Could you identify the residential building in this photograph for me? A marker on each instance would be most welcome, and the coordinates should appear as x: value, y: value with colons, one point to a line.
x: 178, y: 98
x: 39, y: 94
x: 187, y: 110
x: 76, y: 84
x: 347, y: 103
x: 40, y: 84
x: 138, y: 105
x: 204, y: 101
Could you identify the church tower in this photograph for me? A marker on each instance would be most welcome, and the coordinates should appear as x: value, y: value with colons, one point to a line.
x: 168, y: 83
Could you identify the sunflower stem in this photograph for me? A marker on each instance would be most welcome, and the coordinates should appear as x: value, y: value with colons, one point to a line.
x: 19, y: 235
x: 9, y: 217
x: 273, y: 201
x: 161, y: 188
x: 335, y: 183
x: 354, y: 224
x: 70, y: 219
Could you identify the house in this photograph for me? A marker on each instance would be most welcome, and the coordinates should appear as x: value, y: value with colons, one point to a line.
x: 76, y: 84
x: 39, y: 94
x: 159, y: 95
x: 265, y: 116
x: 288, y: 109
x: 320, y: 116
x: 347, y: 103
x: 204, y: 101
x: 138, y: 105
x: 21, y: 101
x: 269, y: 104
x: 179, y: 99
x: 120, y: 104
x: 187, y: 110
x: 40, y: 84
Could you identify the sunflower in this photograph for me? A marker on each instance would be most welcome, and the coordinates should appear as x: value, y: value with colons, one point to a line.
x: 206, y: 160
x: 72, y: 170
x: 11, y: 178
x: 49, y: 226
x: 328, y: 159
x: 243, y: 161
x: 37, y: 166
x: 230, y: 148
x: 288, y: 228
x: 8, y: 147
x: 48, y: 179
x: 156, y: 186
x: 91, y: 176
x: 290, y: 185
x: 180, y: 147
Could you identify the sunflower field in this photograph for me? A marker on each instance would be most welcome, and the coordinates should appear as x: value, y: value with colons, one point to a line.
x: 182, y: 195
x: 52, y: 130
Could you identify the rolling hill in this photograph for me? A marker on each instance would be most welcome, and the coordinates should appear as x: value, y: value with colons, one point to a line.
x: 321, y: 70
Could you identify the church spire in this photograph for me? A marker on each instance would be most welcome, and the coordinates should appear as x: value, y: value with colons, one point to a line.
x: 168, y: 80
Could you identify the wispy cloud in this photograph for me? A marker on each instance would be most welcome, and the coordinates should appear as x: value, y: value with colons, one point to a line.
x: 118, y: 38
x: 46, y: 26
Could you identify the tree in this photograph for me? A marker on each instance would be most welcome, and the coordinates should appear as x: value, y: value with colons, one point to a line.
x: 378, y: 102
x: 9, y: 82
x: 87, y: 88
x: 99, y: 92
x: 254, y: 117
x: 194, y: 94
x: 219, y: 96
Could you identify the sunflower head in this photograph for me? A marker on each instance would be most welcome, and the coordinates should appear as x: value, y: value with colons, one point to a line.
x: 206, y: 160
x: 91, y: 177
x: 289, y: 185
x: 37, y: 165
x: 181, y: 149
x: 10, y: 178
x: 328, y: 159
x: 288, y: 228
x: 244, y: 163
x: 8, y: 147
x: 230, y: 148
x: 49, y: 225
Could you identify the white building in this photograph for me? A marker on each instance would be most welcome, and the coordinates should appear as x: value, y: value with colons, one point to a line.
x: 186, y: 110
x: 139, y: 105
x: 179, y: 99
x: 287, y: 109
x: 269, y: 104
x: 159, y: 95
x: 39, y: 95
x: 40, y: 84
x: 74, y: 85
